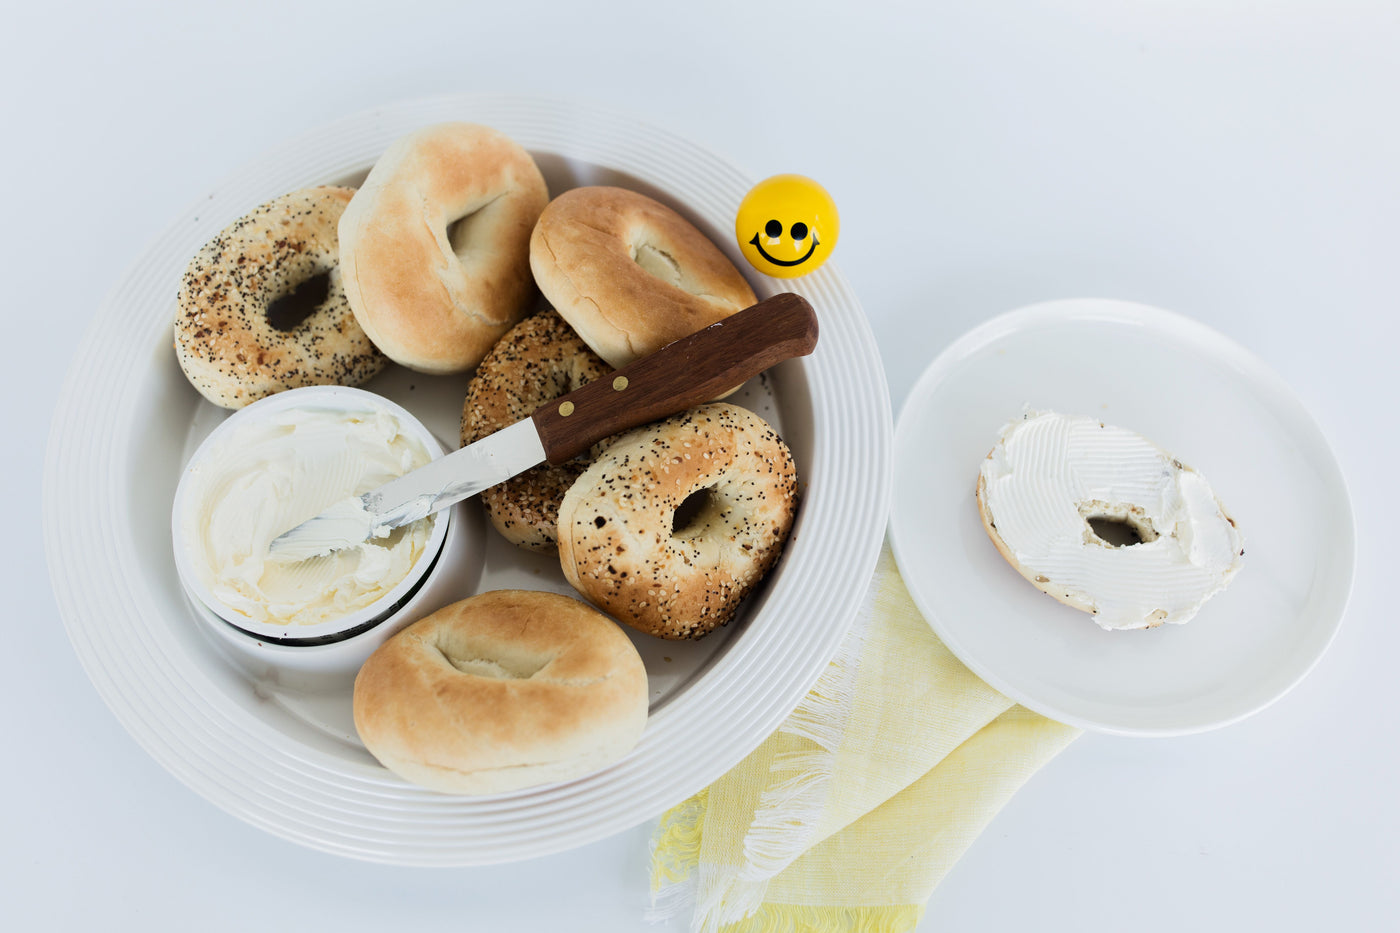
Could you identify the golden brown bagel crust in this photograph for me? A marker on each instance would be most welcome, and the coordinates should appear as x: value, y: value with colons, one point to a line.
x: 617, y: 545
x: 223, y: 340
x: 630, y: 274
x: 434, y: 294
x: 540, y: 359
x: 504, y: 690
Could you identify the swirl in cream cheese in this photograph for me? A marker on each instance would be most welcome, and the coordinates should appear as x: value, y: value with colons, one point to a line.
x: 1050, y: 474
x: 270, y: 475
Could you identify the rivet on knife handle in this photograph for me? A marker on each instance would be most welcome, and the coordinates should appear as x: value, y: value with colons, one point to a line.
x: 682, y: 374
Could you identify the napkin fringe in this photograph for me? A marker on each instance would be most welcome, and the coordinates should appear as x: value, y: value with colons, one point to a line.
x: 789, y: 813
x: 675, y: 854
x: 681, y: 884
x: 722, y: 901
x: 670, y: 901
x: 786, y: 823
x: 785, y: 819
x: 822, y: 714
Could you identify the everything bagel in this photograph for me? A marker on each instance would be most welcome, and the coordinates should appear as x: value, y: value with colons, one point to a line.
x: 540, y: 359
x: 623, y: 547
x: 629, y: 274
x: 435, y: 245
x: 262, y: 306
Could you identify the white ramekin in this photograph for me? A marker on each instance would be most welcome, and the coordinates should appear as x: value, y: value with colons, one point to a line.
x: 338, y: 643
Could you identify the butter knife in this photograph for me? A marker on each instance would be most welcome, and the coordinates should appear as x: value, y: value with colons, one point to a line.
x: 684, y: 373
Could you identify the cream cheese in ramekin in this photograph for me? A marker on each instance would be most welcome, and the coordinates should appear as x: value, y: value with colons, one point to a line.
x: 1050, y: 475
x: 267, y: 476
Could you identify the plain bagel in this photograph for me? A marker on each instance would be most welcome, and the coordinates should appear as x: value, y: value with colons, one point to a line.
x: 538, y: 360
x: 507, y: 689
x: 435, y: 246
x: 630, y: 274
x: 623, y: 547
x: 262, y: 307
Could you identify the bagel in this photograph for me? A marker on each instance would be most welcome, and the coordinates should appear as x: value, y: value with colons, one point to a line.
x: 1106, y: 521
x: 538, y: 360
x: 623, y: 547
x: 262, y: 307
x: 435, y: 245
x: 507, y: 689
x: 629, y: 274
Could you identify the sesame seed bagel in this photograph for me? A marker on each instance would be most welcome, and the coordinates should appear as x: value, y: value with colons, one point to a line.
x: 630, y: 274
x: 538, y: 360
x: 623, y: 547
x: 239, y: 330
x: 436, y: 245
x: 507, y: 689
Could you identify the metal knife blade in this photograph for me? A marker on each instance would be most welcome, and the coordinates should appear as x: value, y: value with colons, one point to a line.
x: 681, y: 374
x: 417, y: 494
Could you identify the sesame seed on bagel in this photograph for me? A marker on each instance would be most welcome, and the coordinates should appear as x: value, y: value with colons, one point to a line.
x: 538, y: 360
x: 262, y: 308
x: 624, y: 547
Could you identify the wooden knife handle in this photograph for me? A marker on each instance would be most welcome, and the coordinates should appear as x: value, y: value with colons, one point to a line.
x: 682, y: 374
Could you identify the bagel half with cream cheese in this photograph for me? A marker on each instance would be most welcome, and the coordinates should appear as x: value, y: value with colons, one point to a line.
x: 1105, y: 521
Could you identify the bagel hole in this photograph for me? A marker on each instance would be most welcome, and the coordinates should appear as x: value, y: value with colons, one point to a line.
x: 286, y: 312
x: 693, y: 514
x: 515, y: 669
x: 1115, y: 532
x: 657, y: 262
x: 1116, y: 525
x: 471, y: 231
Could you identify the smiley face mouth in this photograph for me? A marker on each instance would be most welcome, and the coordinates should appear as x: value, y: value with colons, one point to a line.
x: 786, y: 262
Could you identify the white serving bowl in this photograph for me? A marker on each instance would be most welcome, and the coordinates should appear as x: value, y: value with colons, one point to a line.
x: 281, y: 752
x: 341, y: 643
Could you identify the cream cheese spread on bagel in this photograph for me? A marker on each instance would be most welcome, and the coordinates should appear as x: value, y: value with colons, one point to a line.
x: 1106, y: 521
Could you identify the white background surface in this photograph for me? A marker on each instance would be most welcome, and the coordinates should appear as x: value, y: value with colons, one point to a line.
x: 1237, y: 162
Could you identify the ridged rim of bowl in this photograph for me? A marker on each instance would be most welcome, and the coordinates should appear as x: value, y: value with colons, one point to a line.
x: 238, y: 762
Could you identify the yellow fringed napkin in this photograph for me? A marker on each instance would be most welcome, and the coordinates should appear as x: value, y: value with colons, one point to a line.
x: 850, y: 814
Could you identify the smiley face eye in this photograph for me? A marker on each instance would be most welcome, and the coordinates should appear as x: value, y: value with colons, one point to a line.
x: 774, y: 229
x: 799, y: 231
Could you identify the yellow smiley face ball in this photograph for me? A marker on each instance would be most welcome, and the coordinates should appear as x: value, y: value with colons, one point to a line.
x: 787, y: 226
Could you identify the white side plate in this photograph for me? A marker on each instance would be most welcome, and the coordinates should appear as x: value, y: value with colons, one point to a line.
x: 1214, y: 406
